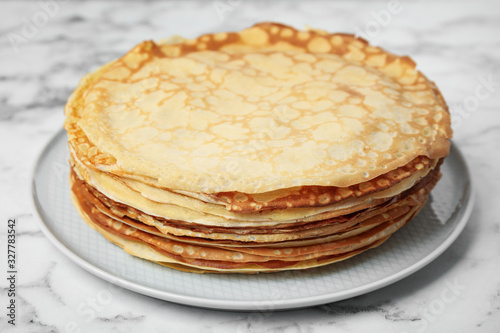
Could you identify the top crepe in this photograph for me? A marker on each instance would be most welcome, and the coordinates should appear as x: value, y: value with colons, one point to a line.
x: 258, y: 110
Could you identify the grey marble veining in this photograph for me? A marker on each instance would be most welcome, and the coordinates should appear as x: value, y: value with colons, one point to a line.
x: 455, y: 43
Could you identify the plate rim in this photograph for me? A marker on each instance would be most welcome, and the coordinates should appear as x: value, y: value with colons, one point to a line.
x: 255, y: 305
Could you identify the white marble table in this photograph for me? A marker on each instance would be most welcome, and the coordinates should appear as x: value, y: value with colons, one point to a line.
x: 47, y: 46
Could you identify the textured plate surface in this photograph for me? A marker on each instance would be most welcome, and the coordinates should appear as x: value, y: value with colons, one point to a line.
x: 408, y: 250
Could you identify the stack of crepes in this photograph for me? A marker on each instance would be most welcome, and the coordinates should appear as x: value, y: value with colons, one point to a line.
x: 262, y: 150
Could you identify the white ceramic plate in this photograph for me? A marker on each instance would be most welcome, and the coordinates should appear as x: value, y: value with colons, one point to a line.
x: 408, y: 250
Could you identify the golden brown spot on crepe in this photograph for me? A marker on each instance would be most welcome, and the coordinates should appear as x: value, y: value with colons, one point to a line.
x: 237, y: 256
x: 178, y: 249
x: 324, y: 198
x: 240, y: 197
